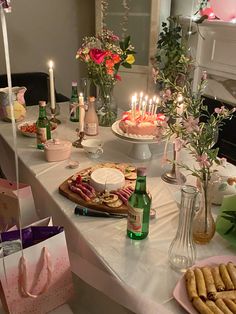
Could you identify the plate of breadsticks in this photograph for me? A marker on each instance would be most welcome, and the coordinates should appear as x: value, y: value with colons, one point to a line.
x: 209, y: 287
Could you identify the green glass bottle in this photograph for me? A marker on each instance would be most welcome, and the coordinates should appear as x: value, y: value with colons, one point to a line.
x: 74, y: 101
x: 139, y: 208
x: 43, y: 126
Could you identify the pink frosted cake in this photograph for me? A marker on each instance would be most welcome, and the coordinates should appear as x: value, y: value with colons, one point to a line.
x: 142, y: 124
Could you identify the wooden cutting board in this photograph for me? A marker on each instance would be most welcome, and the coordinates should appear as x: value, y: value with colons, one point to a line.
x: 64, y: 190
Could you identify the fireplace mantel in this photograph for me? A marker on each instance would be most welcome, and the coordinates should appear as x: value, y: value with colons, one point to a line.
x: 213, y: 45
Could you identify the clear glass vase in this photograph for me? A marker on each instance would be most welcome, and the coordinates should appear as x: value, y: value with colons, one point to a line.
x: 106, y: 105
x: 182, y: 251
x: 203, y: 223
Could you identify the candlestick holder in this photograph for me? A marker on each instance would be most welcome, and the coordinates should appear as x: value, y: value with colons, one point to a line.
x: 78, y: 142
x: 52, y: 113
x: 53, y: 116
x: 174, y: 176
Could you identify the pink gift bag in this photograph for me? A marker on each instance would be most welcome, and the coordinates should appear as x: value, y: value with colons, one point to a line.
x: 9, y: 206
x: 37, y: 281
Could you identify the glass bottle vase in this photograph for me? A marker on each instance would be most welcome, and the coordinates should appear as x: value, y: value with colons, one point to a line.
x: 203, y: 223
x: 106, y: 105
x: 182, y: 251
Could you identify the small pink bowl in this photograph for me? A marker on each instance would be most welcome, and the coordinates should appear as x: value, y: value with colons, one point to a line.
x: 57, y: 150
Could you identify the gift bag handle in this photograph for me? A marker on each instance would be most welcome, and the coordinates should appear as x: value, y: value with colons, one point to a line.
x: 23, y: 274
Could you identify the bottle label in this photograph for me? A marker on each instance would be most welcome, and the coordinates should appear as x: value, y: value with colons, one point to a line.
x: 91, y: 128
x: 135, y: 219
x: 41, y: 135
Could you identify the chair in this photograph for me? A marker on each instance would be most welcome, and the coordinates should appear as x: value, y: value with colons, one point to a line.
x: 37, y: 84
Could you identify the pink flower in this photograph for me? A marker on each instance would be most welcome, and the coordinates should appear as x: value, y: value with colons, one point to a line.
x: 219, y: 110
x: 115, y: 37
x: 203, y: 160
x: 97, y: 55
x: 191, y: 124
x: 118, y: 77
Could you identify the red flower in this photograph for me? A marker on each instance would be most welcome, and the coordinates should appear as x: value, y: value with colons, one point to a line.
x: 97, y: 55
x: 116, y: 58
x: 118, y: 77
x: 109, y: 63
x: 110, y: 71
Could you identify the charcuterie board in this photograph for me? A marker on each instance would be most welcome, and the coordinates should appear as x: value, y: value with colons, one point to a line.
x: 96, y: 187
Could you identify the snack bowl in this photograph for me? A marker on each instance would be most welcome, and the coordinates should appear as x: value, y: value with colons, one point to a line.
x: 28, y: 128
x: 57, y: 150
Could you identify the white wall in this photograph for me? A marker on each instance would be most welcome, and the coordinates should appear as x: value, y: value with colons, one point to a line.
x: 40, y: 30
x: 184, y: 7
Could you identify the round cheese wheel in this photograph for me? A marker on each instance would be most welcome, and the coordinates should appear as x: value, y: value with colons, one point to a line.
x: 109, y: 179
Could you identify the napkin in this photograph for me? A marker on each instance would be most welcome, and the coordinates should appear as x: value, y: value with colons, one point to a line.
x: 222, y: 225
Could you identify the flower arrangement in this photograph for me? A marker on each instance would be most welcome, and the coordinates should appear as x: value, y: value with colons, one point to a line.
x: 104, y: 54
x: 196, y: 130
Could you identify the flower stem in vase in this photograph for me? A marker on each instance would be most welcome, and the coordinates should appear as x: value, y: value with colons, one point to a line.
x: 107, y: 113
x: 203, y: 223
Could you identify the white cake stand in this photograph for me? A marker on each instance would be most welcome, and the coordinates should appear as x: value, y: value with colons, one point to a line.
x: 140, y: 144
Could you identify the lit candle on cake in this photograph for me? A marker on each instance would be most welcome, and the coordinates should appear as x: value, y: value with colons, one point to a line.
x: 140, y: 101
x: 81, y: 112
x: 133, y: 106
x: 150, y: 107
x: 144, y: 104
x: 52, y: 88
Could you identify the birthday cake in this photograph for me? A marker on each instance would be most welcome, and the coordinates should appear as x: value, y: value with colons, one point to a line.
x: 142, y: 124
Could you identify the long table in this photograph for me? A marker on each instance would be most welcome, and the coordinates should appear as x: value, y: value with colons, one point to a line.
x: 135, y: 274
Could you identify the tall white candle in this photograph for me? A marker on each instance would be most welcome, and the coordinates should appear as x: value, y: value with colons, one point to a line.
x: 52, y: 88
x: 133, y: 107
x: 150, y: 107
x: 81, y: 112
x: 144, y: 104
x: 140, y: 101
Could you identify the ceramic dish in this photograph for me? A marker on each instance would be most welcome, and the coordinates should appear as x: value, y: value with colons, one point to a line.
x: 180, y: 293
x: 28, y: 128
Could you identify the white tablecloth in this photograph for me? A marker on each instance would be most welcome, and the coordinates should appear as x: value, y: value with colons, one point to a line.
x: 134, y: 273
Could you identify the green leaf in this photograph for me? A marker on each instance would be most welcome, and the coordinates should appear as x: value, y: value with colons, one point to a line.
x: 127, y: 65
x: 229, y: 230
x: 126, y: 42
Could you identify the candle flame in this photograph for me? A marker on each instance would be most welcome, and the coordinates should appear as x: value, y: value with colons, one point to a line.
x: 50, y: 64
x: 133, y: 98
x: 141, y: 95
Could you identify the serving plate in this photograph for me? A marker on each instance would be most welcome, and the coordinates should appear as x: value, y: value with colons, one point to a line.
x: 180, y: 293
x: 31, y: 124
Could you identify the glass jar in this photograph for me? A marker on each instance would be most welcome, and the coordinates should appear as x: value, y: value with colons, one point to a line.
x: 203, y: 223
x: 106, y: 105
x: 182, y: 251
